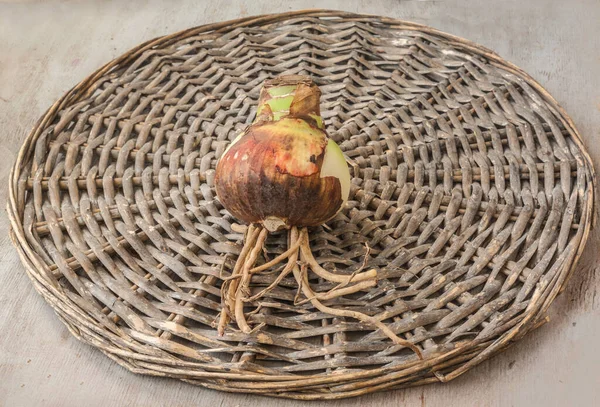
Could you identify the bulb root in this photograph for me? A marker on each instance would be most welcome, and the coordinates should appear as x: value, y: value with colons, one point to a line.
x: 235, y: 290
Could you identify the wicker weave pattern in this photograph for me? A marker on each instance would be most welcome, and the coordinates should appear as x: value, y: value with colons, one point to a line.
x: 472, y: 197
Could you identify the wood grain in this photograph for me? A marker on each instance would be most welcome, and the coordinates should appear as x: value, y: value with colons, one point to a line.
x: 47, y: 48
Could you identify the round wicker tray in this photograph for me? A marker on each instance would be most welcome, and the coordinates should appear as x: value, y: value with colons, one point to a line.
x: 472, y: 198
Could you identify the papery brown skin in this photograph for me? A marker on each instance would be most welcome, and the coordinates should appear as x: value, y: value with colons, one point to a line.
x: 274, y: 171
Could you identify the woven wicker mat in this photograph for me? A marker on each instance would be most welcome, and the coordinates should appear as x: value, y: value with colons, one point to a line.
x: 470, y: 186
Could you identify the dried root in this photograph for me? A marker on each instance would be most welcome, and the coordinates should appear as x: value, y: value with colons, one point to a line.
x: 235, y: 291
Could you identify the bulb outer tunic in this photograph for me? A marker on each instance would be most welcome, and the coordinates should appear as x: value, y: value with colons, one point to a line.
x: 273, y: 172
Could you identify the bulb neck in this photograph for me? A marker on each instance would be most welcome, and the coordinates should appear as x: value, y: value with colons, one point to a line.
x: 291, y: 96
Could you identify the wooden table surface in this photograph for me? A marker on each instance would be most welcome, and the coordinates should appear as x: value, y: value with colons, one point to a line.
x: 46, y: 48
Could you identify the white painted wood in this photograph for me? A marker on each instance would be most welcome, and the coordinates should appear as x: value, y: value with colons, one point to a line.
x: 45, y: 48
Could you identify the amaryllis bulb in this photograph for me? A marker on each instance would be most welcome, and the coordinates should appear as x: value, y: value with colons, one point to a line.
x: 283, y: 170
